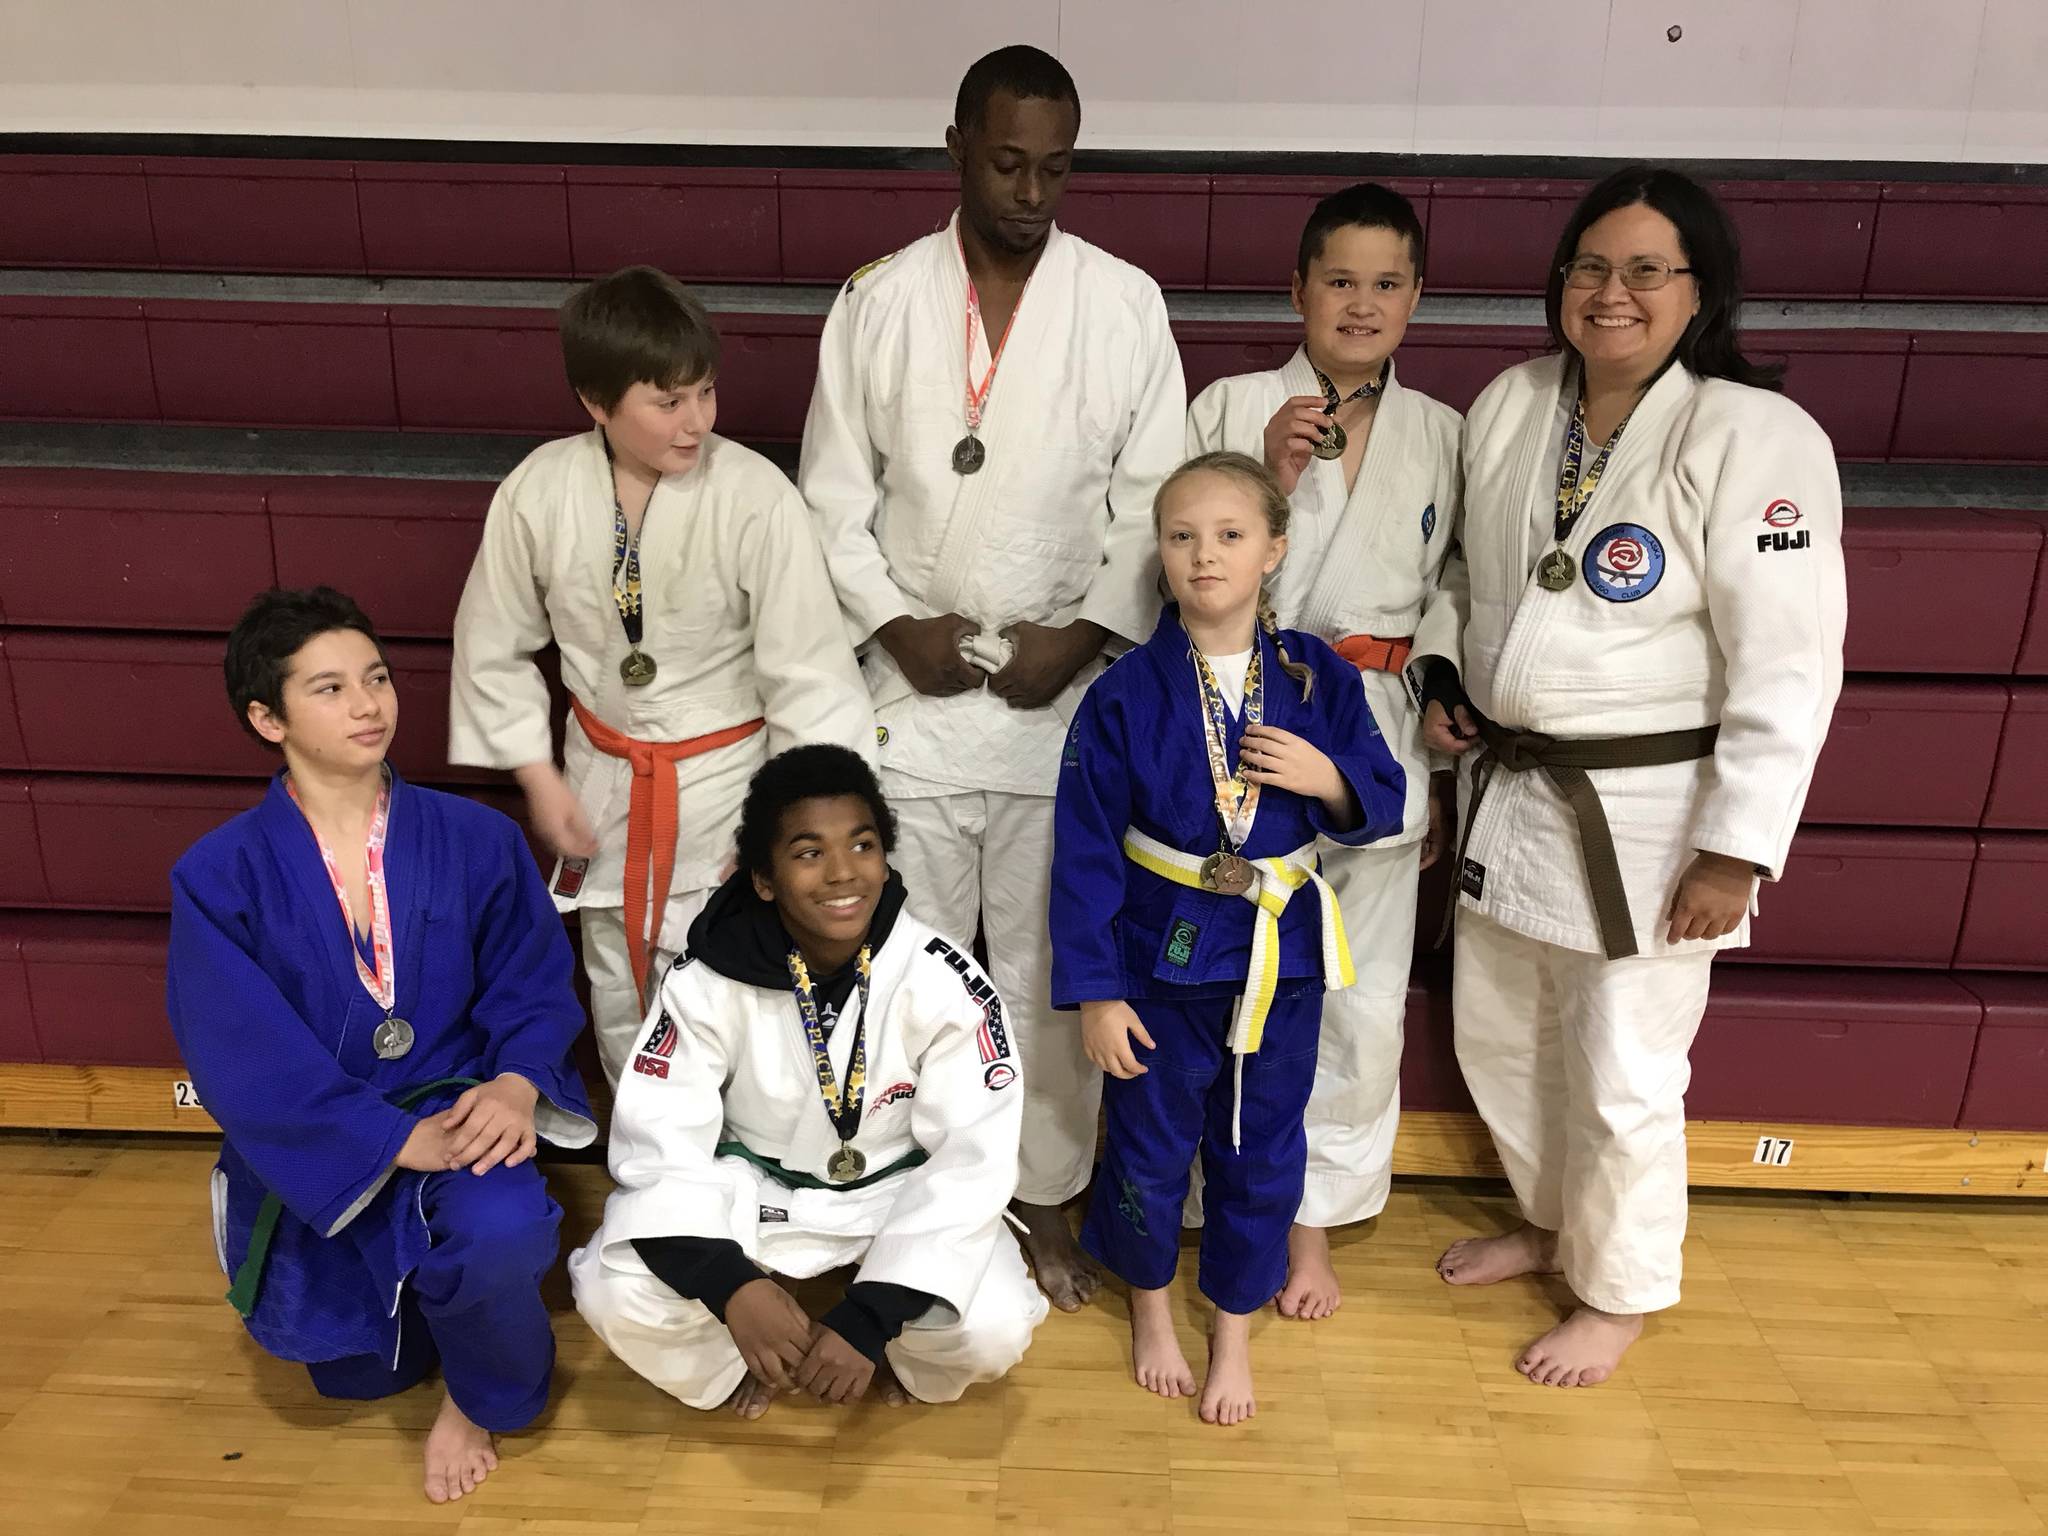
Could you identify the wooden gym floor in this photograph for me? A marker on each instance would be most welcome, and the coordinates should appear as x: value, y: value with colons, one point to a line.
x: 1837, y: 1366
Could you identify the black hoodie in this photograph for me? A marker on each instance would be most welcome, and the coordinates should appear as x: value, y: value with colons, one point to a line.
x: 741, y: 937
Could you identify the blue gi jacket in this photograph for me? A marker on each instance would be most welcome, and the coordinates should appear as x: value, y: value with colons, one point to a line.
x: 1135, y: 757
x: 276, y: 1030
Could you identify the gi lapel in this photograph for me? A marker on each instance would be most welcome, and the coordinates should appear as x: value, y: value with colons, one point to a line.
x: 1014, y: 409
x: 409, y: 886
x: 292, y: 843
x: 1345, y: 553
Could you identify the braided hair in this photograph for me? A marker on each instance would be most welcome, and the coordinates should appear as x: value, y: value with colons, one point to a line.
x: 1256, y: 481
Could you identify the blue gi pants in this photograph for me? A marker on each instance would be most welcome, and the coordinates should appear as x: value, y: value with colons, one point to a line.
x: 1157, y: 1121
x: 473, y: 1304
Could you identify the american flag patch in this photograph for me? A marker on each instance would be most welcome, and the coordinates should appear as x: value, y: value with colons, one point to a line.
x: 992, y: 1039
x: 663, y: 1041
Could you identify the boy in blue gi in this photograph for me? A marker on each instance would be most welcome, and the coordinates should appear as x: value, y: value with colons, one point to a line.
x: 1191, y: 796
x: 371, y: 990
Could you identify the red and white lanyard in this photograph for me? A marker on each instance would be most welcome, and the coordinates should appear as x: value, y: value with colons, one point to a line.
x: 977, y: 398
x: 379, y: 975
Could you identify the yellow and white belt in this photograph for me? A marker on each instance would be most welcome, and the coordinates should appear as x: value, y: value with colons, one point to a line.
x: 1278, y: 880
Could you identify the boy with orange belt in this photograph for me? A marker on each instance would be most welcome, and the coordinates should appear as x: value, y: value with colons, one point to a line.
x: 679, y: 576
x: 1370, y: 468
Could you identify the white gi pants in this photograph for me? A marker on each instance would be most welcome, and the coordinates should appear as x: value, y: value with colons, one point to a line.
x: 1579, y: 1066
x: 616, y: 1014
x: 988, y: 854
x: 688, y: 1353
x: 1355, y: 1106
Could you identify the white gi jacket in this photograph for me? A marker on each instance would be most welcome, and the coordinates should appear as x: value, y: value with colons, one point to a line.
x: 1363, y: 564
x: 737, y: 612
x: 1708, y: 587
x: 1084, y: 421
x: 722, y: 1061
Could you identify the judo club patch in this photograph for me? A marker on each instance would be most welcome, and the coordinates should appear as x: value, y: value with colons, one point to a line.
x: 1624, y: 562
x: 1428, y: 522
x: 1782, y: 517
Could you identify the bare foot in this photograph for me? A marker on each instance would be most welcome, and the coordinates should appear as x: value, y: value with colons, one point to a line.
x: 1157, y: 1363
x: 1483, y: 1260
x: 1066, y: 1274
x: 1227, y: 1389
x: 750, y: 1399
x: 1581, y: 1351
x: 1312, y: 1291
x: 459, y: 1455
x: 886, y: 1387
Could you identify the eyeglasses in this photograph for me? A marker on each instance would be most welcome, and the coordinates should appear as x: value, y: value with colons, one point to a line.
x: 1643, y: 275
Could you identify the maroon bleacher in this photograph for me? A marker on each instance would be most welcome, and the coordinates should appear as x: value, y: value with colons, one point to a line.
x: 482, y: 370
x: 165, y: 692
x: 1864, y: 896
x: 464, y: 220
x: 273, y: 365
x: 403, y: 546
x: 96, y: 988
x: 1495, y: 235
x: 12, y: 753
x: 17, y: 1019
x: 1843, y: 1047
x: 1430, y: 1078
x: 1937, y: 590
x: 2033, y: 657
x: 131, y: 550
x: 1975, y: 399
x: 2005, y: 926
x: 705, y: 226
x: 2019, y: 784
x: 108, y: 844
x: 1908, y: 754
x: 225, y: 215
x: 2009, y: 1078
x: 75, y: 360
x: 21, y: 861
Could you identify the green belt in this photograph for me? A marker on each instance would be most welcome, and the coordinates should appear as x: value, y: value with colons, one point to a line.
x: 796, y: 1180
x: 249, y: 1277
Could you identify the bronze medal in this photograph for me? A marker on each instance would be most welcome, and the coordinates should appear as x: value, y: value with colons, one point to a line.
x: 847, y: 1164
x: 1556, y: 572
x: 1228, y: 874
x: 968, y: 455
x: 637, y: 670
x: 1331, y: 444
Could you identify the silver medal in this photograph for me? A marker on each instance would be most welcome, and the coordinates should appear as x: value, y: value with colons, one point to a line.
x: 393, y: 1039
x: 968, y: 455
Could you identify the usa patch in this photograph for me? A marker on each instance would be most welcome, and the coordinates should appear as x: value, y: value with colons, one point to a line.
x: 1000, y: 1075
x: 651, y: 1066
x: 663, y: 1041
x: 1428, y: 522
x: 892, y: 1093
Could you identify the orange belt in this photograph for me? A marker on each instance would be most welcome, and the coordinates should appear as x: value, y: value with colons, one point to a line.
x: 651, y: 822
x: 1369, y: 653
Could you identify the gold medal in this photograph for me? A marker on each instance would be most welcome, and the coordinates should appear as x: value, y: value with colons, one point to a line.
x: 847, y: 1164
x: 1556, y: 572
x: 637, y: 670
x: 1228, y: 874
x: 1331, y: 444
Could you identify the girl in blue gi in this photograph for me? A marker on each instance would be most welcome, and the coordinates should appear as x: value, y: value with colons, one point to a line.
x: 372, y: 993
x: 1189, y: 923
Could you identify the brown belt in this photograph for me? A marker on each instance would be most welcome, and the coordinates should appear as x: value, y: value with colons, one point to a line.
x: 1565, y: 763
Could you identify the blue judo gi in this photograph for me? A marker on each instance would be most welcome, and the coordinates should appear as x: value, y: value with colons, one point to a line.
x: 1135, y: 759
x: 373, y: 1273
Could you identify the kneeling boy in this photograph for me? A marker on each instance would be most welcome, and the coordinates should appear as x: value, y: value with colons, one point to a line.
x: 822, y: 1081
x: 372, y: 993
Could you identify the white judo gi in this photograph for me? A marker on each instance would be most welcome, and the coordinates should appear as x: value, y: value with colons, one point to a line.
x: 1707, y: 588
x: 1084, y: 422
x: 1364, y: 562
x: 724, y: 1065
x: 738, y: 613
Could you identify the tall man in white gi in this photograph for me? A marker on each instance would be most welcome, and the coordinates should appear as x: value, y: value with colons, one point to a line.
x: 996, y: 405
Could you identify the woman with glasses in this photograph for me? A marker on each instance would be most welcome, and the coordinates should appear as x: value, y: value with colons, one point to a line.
x: 1652, y: 615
